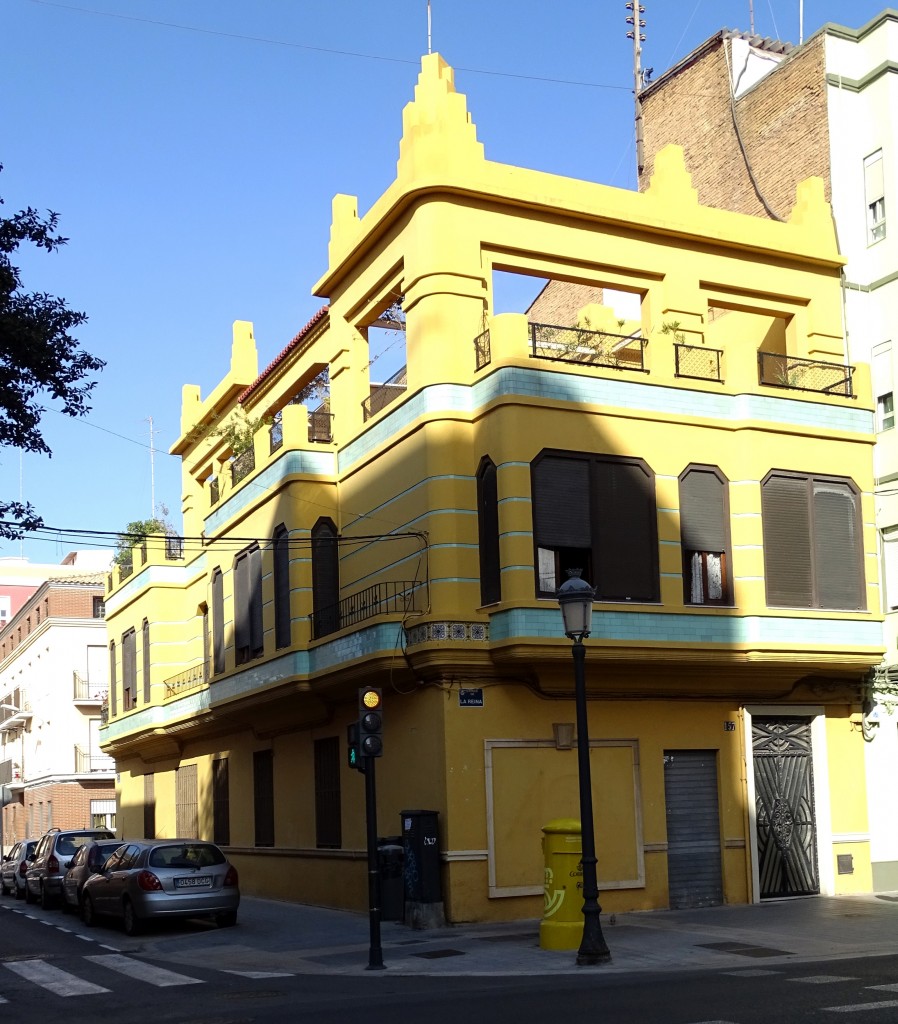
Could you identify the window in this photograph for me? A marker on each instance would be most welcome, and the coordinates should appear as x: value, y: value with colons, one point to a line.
x: 263, y: 797
x: 112, y: 682
x: 149, y: 806
x: 102, y: 814
x: 874, y: 195
x: 129, y: 670
x: 186, y: 817
x: 207, y: 641
x: 248, y: 637
x: 596, y: 513
x: 881, y: 374
x: 328, y: 834
x: 813, y: 551
x: 281, y: 587
x: 145, y: 644
x: 221, y: 807
x: 889, y: 540
x: 325, y: 578
x: 705, y: 536
x: 218, y: 636
x: 99, y: 608
x: 488, y: 533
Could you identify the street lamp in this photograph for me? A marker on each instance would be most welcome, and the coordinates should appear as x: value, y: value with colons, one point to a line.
x: 575, y: 597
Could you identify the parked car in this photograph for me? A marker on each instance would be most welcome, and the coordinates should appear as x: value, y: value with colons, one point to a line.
x: 88, y: 860
x: 14, y: 866
x: 151, y: 879
x: 43, y: 879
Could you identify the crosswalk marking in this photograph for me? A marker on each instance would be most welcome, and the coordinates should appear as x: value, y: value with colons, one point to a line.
x: 821, y: 979
x: 140, y: 971
x: 885, y: 1004
x: 262, y: 974
x: 59, y: 982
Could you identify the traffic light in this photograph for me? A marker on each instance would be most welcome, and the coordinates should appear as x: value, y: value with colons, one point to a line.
x: 371, y: 725
x: 352, y: 746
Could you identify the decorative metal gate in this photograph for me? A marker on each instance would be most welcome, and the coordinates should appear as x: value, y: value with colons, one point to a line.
x: 784, y: 800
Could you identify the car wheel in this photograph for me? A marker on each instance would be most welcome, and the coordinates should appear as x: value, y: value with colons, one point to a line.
x: 4, y: 888
x: 130, y: 921
x: 227, y: 919
x: 88, y: 914
x: 65, y: 906
x: 29, y: 895
x: 47, y: 901
x: 19, y: 893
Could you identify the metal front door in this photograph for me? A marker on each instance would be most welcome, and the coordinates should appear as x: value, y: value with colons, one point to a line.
x: 784, y: 802
x: 693, y: 828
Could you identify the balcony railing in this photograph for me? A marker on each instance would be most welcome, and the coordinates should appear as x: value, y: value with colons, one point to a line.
x: 783, y: 371
x: 383, y: 394
x: 213, y: 490
x: 276, y: 432
x: 321, y: 430
x: 84, y: 690
x: 697, y: 362
x: 591, y: 348
x: 86, y: 762
x: 6, y: 772
x: 125, y: 570
x: 380, y: 599
x: 482, y: 350
x: 242, y: 465
x: 190, y: 679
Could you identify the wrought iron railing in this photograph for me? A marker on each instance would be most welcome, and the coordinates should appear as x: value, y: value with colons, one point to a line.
x: 6, y: 772
x: 174, y: 547
x: 393, y: 596
x: 321, y: 429
x: 86, y: 762
x: 383, y: 394
x: 276, y: 432
x: 125, y: 570
x: 243, y: 464
x: 783, y: 371
x: 697, y: 362
x: 190, y: 679
x: 592, y: 348
x: 213, y: 490
x: 482, y: 350
x: 104, y: 712
x: 85, y: 690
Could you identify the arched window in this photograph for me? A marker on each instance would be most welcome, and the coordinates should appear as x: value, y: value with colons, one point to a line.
x: 705, y: 536
x: 488, y: 532
x: 325, y: 578
x: 248, y: 635
x: 218, y: 625
x: 281, y: 586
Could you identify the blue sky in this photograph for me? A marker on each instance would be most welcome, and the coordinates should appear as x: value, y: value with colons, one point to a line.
x: 192, y: 148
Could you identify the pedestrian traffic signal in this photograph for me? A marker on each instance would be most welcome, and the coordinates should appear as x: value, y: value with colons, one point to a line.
x: 352, y: 746
x: 370, y: 736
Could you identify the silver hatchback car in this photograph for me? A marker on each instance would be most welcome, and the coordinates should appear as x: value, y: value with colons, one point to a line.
x: 152, y: 879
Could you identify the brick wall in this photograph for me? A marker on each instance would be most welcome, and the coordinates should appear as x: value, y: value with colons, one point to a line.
x: 62, y: 805
x: 782, y: 121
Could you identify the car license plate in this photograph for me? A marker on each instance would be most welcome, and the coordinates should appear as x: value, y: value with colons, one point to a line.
x: 194, y: 882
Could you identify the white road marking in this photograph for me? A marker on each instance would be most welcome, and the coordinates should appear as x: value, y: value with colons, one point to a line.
x: 137, y: 969
x: 821, y: 979
x: 114, y: 949
x: 886, y: 1004
x: 60, y: 983
x: 261, y: 974
x: 883, y: 988
x: 750, y: 972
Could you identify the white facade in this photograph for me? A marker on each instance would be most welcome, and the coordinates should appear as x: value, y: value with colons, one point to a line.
x: 862, y: 101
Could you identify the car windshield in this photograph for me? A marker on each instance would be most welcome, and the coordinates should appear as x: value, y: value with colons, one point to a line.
x: 68, y: 845
x: 186, y: 855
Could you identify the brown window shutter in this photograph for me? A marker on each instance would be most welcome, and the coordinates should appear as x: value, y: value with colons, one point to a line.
x: 218, y: 634
x: 281, y: 587
x: 625, y: 528
x: 785, y: 512
x: 256, y: 635
x: 488, y: 533
x: 561, y: 506
x: 703, y: 525
x: 838, y: 547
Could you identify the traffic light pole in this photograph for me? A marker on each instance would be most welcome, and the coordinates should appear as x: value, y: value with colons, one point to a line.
x: 375, y: 952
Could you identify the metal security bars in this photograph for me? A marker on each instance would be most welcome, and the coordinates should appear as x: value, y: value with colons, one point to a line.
x: 482, y: 350
x: 383, y: 394
x: 783, y: 371
x: 590, y: 348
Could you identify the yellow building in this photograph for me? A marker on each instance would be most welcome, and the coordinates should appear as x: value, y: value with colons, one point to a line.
x: 705, y: 460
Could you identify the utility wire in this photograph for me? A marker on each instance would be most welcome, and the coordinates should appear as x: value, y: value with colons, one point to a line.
x: 318, y: 49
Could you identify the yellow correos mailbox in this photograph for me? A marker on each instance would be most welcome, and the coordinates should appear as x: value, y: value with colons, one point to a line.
x: 562, y: 923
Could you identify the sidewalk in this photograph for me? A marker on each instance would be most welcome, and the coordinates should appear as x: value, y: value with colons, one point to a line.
x: 275, y: 937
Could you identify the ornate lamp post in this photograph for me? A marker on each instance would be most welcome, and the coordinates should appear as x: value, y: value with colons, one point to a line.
x: 575, y: 597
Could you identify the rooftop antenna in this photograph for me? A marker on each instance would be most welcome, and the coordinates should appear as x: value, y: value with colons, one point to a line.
x: 800, y: 22
x: 751, y: 16
x: 634, y: 18
x: 428, y: 29
x: 149, y: 419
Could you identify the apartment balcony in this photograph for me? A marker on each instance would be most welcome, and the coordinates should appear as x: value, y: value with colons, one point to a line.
x: 87, y: 762
x: 696, y: 362
x: 16, y: 713
x: 242, y: 465
x: 190, y: 679
x: 385, y: 394
x: 394, y: 597
x: 86, y: 692
x: 785, y: 371
x: 586, y: 347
